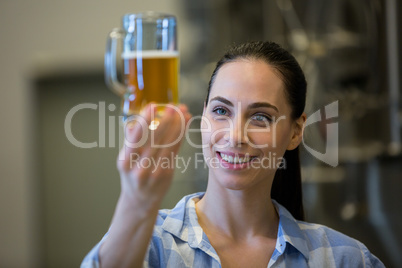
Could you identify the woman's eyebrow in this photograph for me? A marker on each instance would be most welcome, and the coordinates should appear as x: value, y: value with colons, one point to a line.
x: 262, y: 104
x: 223, y: 100
x: 251, y: 106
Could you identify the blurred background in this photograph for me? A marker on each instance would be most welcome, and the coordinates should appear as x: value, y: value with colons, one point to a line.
x: 57, y: 200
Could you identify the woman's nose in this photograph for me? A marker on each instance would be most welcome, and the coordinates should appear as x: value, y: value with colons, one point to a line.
x: 237, y: 133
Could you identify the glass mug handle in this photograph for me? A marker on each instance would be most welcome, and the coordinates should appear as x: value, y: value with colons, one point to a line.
x: 110, y: 62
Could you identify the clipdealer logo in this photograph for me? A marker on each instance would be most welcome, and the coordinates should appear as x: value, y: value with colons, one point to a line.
x: 330, y: 156
x: 101, y: 143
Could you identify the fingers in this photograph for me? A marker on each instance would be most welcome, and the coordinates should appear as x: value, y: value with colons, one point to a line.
x: 135, y: 135
x: 176, y: 132
x: 169, y: 132
x: 137, y: 128
x: 166, y: 140
x: 143, y: 141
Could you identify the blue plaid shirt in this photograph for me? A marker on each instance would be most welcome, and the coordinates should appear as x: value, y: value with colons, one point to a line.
x: 179, y: 241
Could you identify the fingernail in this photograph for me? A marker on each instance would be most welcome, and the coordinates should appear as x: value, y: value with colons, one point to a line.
x: 170, y: 110
x: 183, y: 108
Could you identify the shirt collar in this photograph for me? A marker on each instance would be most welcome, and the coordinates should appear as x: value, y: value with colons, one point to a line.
x: 182, y: 222
x: 289, y: 232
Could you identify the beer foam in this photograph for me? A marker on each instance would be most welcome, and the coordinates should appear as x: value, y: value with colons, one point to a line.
x: 150, y: 54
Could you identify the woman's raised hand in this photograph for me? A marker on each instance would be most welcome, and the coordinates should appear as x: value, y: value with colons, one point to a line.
x: 144, y: 183
x: 146, y: 161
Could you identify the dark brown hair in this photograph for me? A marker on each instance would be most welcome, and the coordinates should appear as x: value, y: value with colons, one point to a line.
x: 287, y: 186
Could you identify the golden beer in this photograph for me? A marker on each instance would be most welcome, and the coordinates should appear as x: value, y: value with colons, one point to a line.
x: 150, y: 76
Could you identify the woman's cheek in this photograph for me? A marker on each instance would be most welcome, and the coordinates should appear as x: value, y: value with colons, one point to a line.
x: 281, y: 137
x: 260, y: 138
x: 206, y: 129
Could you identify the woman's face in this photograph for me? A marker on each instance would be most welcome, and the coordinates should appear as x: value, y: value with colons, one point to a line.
x: 246, y: 126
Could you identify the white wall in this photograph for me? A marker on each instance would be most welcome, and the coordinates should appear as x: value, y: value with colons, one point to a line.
x: 31, y: 32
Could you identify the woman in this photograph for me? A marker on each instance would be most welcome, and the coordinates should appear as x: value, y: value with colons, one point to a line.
x: 252, y: 126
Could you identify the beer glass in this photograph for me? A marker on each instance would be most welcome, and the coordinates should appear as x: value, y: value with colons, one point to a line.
x: 142, y: 61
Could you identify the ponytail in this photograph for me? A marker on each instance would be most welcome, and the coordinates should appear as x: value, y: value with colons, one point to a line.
x: 287, y: 186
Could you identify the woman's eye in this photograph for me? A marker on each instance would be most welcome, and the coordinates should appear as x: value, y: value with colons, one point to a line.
x: 261, y: 118
x: 220, y: 111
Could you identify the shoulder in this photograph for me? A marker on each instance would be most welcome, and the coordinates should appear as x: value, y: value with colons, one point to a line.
x: 323, y: 246
x: 321, y: 235
x: 341, y: 248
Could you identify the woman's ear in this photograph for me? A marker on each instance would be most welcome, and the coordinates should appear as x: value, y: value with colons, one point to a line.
x: 297, y: 136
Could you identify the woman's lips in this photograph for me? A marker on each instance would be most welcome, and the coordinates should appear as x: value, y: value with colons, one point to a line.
x: 234, y: 161
x: 235, y: 158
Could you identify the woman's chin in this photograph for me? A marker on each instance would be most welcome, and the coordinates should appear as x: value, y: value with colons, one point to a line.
x: 240, y: 183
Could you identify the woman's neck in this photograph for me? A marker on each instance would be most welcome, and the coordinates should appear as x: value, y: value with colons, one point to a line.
x: 238, y: 214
